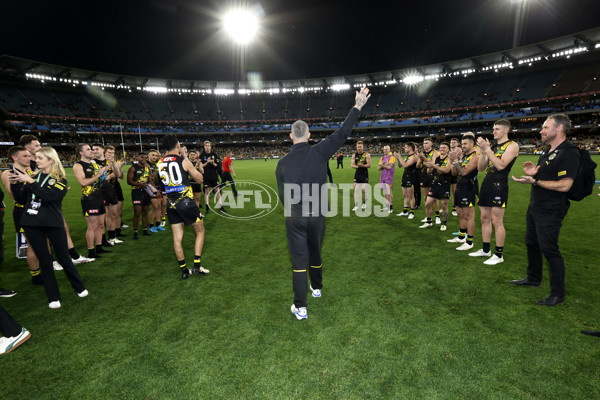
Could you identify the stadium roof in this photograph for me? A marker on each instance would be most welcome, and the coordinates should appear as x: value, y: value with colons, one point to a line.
x: 543, y: 52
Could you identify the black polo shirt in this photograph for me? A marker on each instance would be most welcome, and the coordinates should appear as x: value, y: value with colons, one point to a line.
x: 561, y: 163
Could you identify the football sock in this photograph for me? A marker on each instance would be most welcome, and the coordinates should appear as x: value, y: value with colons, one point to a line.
x: 469, y: 239
x: 486, y: 247
x: 73, y: 253
x: 92, y: 253
x: 499, y: 250
x: 463, y: 233
x: 182, y: 264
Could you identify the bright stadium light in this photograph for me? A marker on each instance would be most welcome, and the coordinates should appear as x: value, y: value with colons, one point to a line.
x: 339, y: 87
x: 241, y: 25
x: 413, y: 79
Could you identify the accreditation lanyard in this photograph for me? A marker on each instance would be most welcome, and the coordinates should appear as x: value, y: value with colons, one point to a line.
x: 35, y: 205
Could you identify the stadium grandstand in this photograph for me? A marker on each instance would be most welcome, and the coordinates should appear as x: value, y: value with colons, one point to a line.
x: 65, y: 106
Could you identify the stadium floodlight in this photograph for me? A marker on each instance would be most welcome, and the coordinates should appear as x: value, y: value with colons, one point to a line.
x: 155, y: 89
x: 413, y: 79
x: 224, y: 92
x: 340, y: 87
x: 241, y: 25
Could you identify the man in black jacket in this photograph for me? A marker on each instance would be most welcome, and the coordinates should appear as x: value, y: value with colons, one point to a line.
x: 300, y: 174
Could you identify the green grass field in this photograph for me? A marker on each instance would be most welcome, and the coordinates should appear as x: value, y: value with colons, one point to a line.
x: 403, y: 315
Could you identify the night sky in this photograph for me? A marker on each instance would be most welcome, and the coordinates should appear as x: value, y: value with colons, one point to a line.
x: 183, y: 39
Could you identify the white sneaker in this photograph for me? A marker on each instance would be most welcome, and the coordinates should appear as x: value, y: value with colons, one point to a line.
x: 457, y: 240
x: 426, y: 225
x: 465, y: 246
x: 315, y: 292
x: 454, y: 214
x: 300, y: 313
x: 83, y: 259
x: 438, y: 220
x: 57, y: 266
x: 110, y: 242
x: 424, y: 219
x: 8, y: 344
x: 411, y: 216
x: 402, y: 214
x: 481, y: 253
x: 124, y: 226
x: 54, y: 304
x: 116, y: 241
x: 443, y: 228
x: 364, y: 206
x: 355, y: 208
x: 493, y: 260
x: 163, y: 223
x: 83, y: 294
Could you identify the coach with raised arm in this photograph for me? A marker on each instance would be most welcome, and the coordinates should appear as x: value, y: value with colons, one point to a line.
x: 550, y: 181
x: 299, y: 174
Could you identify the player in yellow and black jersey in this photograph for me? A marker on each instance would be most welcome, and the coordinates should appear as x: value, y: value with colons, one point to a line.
x: 156, y: 199
x: 91, y: 177
x: 138, y: 177
x: 20, y: 158
x: 464, y: 167
x: 496, y: 160
x: 440, y: 187
x: 175, y: 172
x: 408, y: 177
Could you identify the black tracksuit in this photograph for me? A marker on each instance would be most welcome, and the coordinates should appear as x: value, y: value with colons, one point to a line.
x: 305, y: 221
x: 43, y: 219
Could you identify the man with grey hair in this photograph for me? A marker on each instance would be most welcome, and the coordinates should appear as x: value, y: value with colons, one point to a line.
x: 300, y: 180
x: 550, y: 181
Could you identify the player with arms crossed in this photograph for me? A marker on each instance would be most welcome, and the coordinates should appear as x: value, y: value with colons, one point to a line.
x: 174, y: 171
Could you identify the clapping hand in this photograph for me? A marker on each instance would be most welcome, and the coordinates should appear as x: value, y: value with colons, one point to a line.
x: 530, y: 169
x: 484, y: 144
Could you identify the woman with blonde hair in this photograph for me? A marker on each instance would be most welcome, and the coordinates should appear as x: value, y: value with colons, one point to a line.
x: 42, y: 220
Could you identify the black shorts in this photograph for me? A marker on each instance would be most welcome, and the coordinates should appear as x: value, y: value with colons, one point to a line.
x: 196, y: 187
x: 118, y: 191
x: 92, y: 206
x: 426, y: 180
x: 440, y: 191
x: 17, y: 214
x: 361, y: 177
x: 454, y: 179
x: 140, y: 197
x: 210, y: 183
x: 407, y: 181
x: 493, y: 195
x: 109, y: 194
x: 184, y: 212
x: 465, y: 196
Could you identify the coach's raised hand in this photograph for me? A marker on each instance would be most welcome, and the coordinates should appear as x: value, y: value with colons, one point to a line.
x: 361, y: 97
